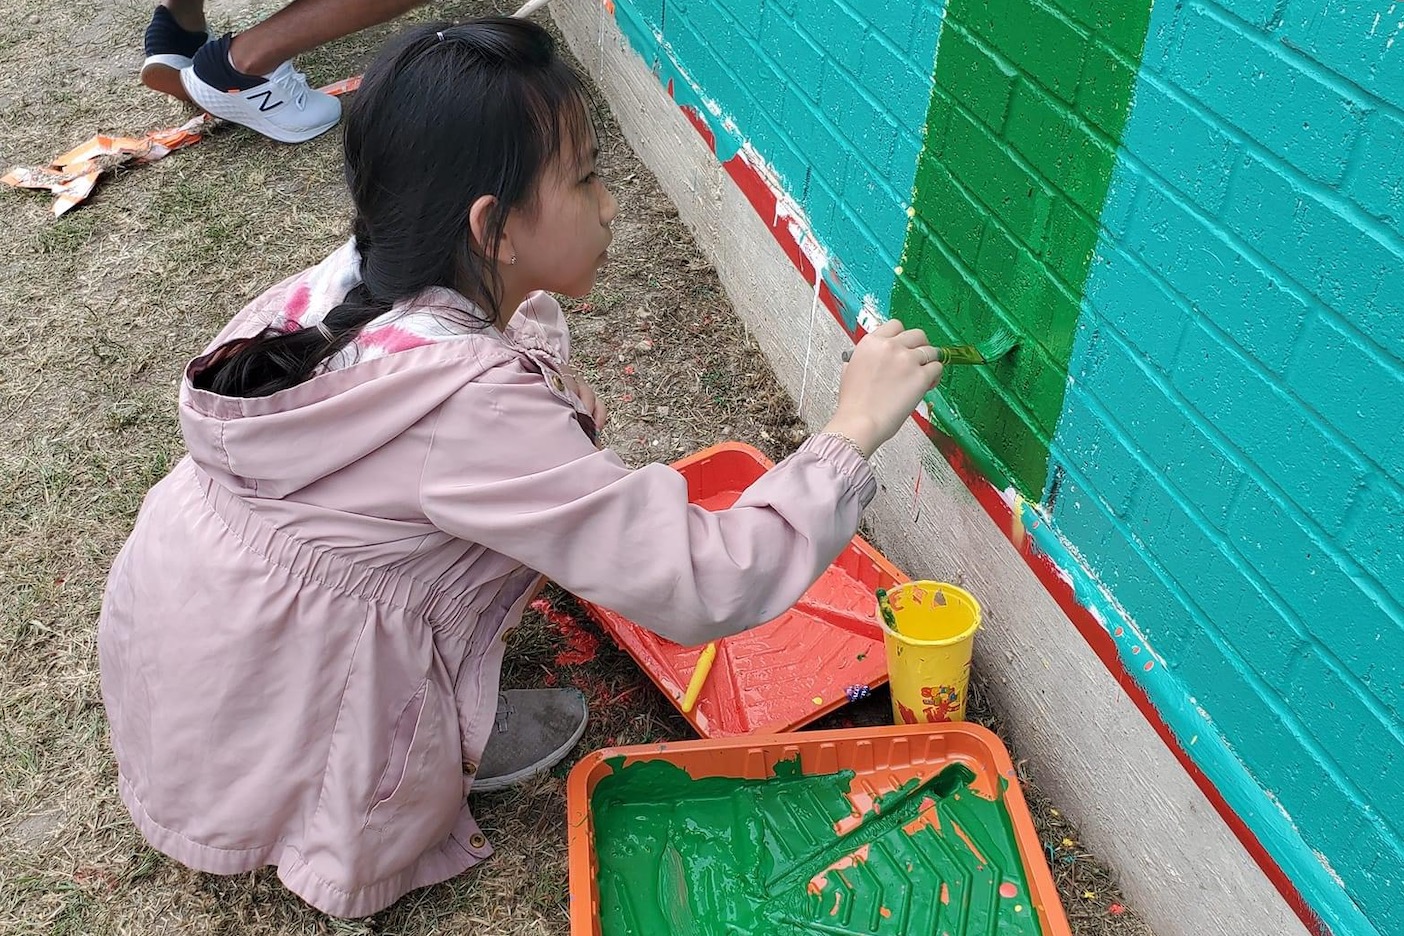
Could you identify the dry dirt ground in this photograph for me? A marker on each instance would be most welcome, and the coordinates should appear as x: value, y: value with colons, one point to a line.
x: 99, y: 311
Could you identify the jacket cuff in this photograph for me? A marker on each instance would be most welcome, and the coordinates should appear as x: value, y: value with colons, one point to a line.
x: 839, y: 454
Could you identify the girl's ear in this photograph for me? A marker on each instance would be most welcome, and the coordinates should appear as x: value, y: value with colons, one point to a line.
x: 481, y: 215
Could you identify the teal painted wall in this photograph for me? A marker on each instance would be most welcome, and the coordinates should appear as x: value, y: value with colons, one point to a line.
x: 1224, y: 475
x: 832, y: 95
x: 1230, y: 454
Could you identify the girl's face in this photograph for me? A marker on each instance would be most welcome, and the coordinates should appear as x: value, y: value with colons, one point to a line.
x: 561, y: 246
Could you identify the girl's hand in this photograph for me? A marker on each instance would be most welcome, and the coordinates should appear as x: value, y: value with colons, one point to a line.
x: 891, y: 370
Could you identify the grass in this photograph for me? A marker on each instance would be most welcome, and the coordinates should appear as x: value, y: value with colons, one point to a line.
x: 100, y: 311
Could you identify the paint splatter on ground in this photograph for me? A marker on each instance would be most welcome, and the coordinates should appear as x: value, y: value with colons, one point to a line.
x: 580, y: 646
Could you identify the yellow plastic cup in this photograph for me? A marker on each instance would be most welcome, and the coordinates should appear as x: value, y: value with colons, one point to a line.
x: 929, y: 630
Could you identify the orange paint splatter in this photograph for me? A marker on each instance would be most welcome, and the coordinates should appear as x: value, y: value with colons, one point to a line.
x: 1150, y: 665
x: 1007, y: 890
x: 928, y: 818
x: 857, y: 857
x: 838, y: 897
x: 969, y: 844
x: 884, y: 911
x: 945, y: 893
x: 863, y: 801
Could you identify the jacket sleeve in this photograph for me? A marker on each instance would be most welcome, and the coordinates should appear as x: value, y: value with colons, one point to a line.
x: 509, y: 468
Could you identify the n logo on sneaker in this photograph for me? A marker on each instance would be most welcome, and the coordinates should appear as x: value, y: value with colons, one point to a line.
x: 267, y: 104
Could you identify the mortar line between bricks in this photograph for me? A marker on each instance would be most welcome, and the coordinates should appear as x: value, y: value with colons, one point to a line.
x: 1318, y: 421
x: 879, y: 175
x: 921, y: 76
x: 1004, y: 62
x: 1255, y: 471
x: 1354, y: 511
x: 819, y: 180
x: 1241, y: 565
x: 1332, y: 79
x: 1023, y: 163
x: 1326, y: 194
x: 1359, y: 147
x: 1260, y: 685
x: 1245, y: 248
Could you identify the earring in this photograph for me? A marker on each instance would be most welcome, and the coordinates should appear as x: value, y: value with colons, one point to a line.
x: 513, y: 261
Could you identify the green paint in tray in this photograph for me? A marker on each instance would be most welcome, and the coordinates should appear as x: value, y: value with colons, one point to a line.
x: 796, y: 854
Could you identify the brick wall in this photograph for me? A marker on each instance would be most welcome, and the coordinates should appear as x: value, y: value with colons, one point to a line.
x: 1192, y: 214
x: 1231, y: 438
x: 830, y: 95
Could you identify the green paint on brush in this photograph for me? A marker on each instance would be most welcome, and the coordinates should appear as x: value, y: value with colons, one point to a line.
x: 987, y: 352
x: 781, y: 856
x: 1027, y: 111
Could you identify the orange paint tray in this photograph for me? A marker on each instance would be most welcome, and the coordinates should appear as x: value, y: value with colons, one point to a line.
x: 790, y: 671
x: 880, y: 831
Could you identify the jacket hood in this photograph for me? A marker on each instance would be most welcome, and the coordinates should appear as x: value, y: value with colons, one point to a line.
x: 275, y: 445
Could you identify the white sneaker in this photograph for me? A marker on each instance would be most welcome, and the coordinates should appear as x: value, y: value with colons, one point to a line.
x: 283, y: 107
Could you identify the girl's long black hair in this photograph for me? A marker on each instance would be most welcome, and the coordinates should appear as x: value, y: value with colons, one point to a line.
x: 445, y: 115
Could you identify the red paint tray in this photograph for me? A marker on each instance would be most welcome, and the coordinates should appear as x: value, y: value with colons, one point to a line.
x: 882, y: 831
x: 786, y: 673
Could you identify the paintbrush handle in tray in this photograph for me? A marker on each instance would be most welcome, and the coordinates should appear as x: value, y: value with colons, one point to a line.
x: 699, y: 676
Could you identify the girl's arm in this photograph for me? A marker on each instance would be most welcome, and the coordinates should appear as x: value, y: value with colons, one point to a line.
x: 509, y: 468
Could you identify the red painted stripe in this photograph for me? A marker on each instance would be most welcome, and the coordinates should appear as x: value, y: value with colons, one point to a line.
x: 764, y: 200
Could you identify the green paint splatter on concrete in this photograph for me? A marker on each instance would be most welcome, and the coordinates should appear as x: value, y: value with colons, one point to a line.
x: 804, y: 854
x: 1028, y: 108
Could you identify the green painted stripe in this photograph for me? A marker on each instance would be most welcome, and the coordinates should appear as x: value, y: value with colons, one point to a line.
x: 1026, y: 115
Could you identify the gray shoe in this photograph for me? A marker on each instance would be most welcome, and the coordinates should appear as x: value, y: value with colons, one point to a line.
x: 534, y: 731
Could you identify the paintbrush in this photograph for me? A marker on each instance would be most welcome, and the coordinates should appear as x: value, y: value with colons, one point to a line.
x: 986, y: 352
x: 699, y: 676
x: 672, y: 892
x: 893, y: 813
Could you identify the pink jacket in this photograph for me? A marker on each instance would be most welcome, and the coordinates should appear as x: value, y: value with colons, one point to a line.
x: 300, y: 642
